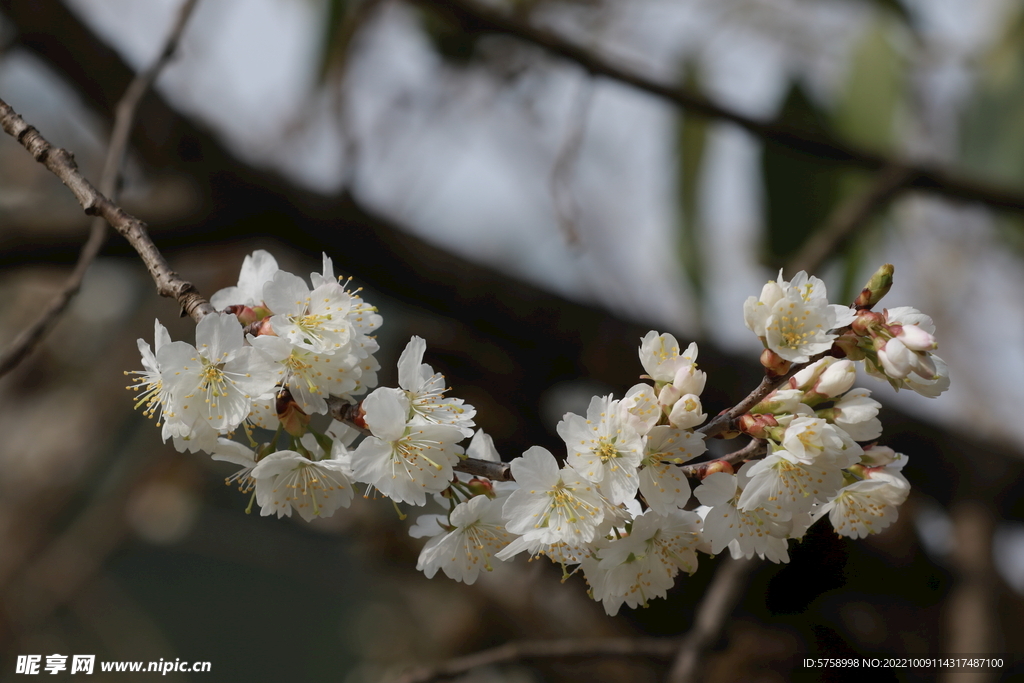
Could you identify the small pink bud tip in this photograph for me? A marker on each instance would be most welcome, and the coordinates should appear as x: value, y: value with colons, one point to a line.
x: 480, y: 487
x: 774, y: 364
x: 245, y: 315
x: 755, y: 425
x: 265, y: 328
x: 294, y: 420
x: 867, y: 322
x: 713, y: 467
x: 358, y: 416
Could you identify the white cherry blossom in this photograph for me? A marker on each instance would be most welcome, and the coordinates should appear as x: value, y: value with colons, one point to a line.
x: 662, y: 483
x: 155, y: 399
x: 217, y: 381
x: 644, y: 564
x: 310, y: 376
x: 463, y: 548
x: 315, y: 319
x: 404, y: 462
x: 856, y: 414
x: 813, y: 440
x: 754, y: 532
x: 288, y: 480
x: 258, y: 269
x: 661, y: 358
x: 425, y: 389
x: 552, y: 505
x: 783, y: 485
x: 604, y: 448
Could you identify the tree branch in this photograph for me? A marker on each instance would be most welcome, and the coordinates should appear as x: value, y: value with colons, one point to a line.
x: 757, y: 448
x: 62, y: 164
x: 110, y: 181
x: 928, y: 177
x: 850, y: 216
x: 722, y: 595
x: 569, y: 648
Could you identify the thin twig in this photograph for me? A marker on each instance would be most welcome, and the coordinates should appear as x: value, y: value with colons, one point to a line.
x: 757, y: 448
x: 849, y: 217
x: 929, y: 177
x: 110, y: 183
x: 62, y: 164
x: 719, y: 600
x: 568, y: 648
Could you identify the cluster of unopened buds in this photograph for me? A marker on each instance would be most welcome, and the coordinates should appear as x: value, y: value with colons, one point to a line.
x: 619, y: 505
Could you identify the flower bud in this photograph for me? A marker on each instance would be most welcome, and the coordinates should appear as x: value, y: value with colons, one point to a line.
x: 837, y: 379
x: 755, y: 425
x: 878, y: 456
x: 914, y: 338
x: 867, y: 322
x: 713, y: 467
x: 858, y: 471
x: 780, y: 401
x: 689, y: 380
x: 245, y: 315
x: 668, y: 396
x: 774, y: 364
x: 877, y: 287
x: 896, y: 359
x: 480, y: 487
x: 806, y: 378
x: 292, y: 417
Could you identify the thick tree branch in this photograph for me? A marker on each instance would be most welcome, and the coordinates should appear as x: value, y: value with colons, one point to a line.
x: 110, y: 181
x: 928, y: 177
x: 569, y: 648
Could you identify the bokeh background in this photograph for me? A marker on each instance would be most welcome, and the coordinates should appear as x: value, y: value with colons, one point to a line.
x: 532, y: 221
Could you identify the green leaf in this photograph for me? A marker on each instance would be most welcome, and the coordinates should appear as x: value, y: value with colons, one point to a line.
x: 800, y: 189
x: 691, y: 133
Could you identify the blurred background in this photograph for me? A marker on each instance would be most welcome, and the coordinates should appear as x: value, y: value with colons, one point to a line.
x: 532, y: 219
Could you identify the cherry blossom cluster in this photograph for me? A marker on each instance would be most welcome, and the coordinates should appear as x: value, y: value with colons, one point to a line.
x: 616, y: 502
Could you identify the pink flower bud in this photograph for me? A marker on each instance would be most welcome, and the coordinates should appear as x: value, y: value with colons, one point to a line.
x: 294, y: 420
x: 755, y: 425
x: 916, y: 339
x: 714, y: 467
x: 481, y: 487
x: 867, y: 322
x: 245, y: 315
x: 774, y: 364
